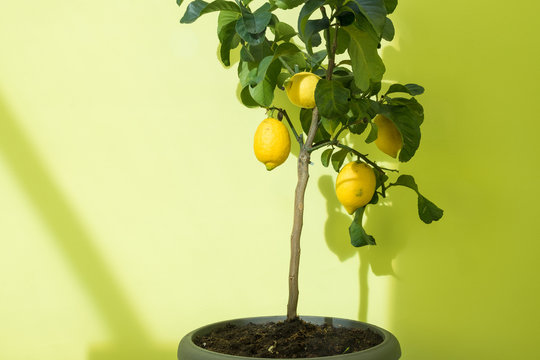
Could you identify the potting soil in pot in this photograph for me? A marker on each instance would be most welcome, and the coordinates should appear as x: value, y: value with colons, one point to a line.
x: 296, y: 339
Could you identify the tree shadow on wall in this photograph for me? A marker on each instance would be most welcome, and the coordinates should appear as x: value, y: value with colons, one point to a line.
x: 336, y: 232
x: 130, y: 340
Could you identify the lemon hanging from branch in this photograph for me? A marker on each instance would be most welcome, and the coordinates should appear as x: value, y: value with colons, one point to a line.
x: 355, y: 185
x: 272, y: 143
x: 301, y: 89
x: 389, y: 139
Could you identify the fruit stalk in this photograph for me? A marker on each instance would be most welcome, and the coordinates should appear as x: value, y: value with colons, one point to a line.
x: 298, y: 221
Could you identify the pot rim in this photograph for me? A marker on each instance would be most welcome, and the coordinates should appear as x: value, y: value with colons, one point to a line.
x: 389, y: 340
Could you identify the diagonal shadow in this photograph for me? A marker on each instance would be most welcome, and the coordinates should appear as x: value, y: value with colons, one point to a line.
x: 129, y: 338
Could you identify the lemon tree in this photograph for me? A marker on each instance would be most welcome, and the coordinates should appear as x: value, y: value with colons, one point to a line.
x: 328, y: 64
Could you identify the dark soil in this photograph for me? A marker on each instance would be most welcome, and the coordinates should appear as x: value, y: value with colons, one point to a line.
x: 296, y: 339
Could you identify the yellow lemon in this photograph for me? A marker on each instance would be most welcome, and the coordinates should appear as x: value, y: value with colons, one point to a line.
x: 389, y: 139
x: 355, y: 185
x: 301, y: 89
x: 272, y: 143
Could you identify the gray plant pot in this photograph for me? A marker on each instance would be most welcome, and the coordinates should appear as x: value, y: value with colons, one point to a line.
x: 387, y: 350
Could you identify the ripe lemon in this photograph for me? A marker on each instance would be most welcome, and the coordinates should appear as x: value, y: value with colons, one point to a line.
x: 272, y: 143
x: 355, y: 185
x: 389, y: 139
x: 301, y: 89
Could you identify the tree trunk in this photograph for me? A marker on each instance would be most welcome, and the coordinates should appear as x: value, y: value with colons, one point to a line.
x: 303, y: 176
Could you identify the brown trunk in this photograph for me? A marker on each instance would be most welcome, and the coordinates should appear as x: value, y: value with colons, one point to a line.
x: 303, y: 176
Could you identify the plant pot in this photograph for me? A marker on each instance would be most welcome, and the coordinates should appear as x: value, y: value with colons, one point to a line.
x: 387, y: 350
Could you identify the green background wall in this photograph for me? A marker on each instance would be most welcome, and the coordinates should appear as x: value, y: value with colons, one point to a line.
x: 132, y: 209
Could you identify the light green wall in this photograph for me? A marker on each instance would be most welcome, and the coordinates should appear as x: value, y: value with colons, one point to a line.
x: 133, y: 210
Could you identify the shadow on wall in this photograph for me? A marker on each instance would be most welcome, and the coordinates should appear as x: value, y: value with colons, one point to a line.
x: 336, y: 232
x: 129, y: 338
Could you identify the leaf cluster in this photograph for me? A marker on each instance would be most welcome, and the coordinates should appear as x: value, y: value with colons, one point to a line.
x: 349, y: 94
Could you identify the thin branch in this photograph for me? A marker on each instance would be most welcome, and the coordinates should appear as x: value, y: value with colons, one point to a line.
x: 284, y: 113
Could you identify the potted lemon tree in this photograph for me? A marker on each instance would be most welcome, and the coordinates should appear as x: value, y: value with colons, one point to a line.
x: 329, y: 66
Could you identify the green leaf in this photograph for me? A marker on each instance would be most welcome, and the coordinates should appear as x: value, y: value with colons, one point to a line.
x: 338, y: 159
x: 366, y: 64
x: 287, y: 4
x: 358, y: 235
x: 411, y: 89
x: 332, y: 98
x: 309, y: 8
x: 227, y: 35
x: 408, y: 126
x: 179, y: 2
x: 407, y: 119
x: 286, y: 49
x: 374, y: 11
x: 346, y: 17
x: 224, y: 19
x: 315, y: 59
x: 374, y: 132
x: 342, y: 42
x: 246, y: 74
x: 198, y: 8
x: 261, y: 50
x: 245, y: 55
x: 263, y: 92
x: 388, y: 31
x: 246, y: 98
x: 390, y: 5
x: 329, y: 125
x: 284, y: 32
x: 283, y: 49
x: 252, y: 39
x: 325, y: 157
x: 311, y: 35
x: 427, y: 211
x: 262, y: 17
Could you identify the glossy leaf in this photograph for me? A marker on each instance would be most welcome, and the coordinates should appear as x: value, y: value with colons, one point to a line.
x: 311, y: 36
x: 373, y: 133
x: 309, y: 8
x: 338, y: 159
x: 263, y: 92
x: 374, y: 11
x: 388, y: 31
x: 227, y: 35
x: 332, y: 98
x: 427, y: 211
x: 246, y: 98
x: 283, y: 32
x: 330, y: 125
x: 287, y: 4
x: 408, y: 125
x: 366, y: 63
x: 283, y: 49
x: 358, y: 235
x: 198, y: 8
x: 250, y: 38
x: 390, y: 5
x: 342, y: 41
x: 325, y: 157
x: 411, y: 89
